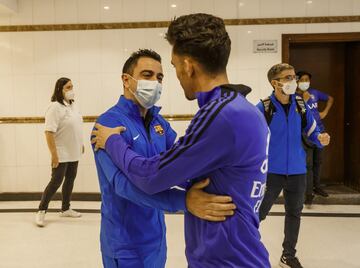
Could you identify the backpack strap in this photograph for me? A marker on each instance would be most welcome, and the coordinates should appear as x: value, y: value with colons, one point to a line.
x: 269, y: 109
x: 301, y: 106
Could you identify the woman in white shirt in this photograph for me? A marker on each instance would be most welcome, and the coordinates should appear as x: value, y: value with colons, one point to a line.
x: 63, y: 131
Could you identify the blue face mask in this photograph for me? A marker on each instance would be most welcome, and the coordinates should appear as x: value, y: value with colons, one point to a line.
x: 147, y: 92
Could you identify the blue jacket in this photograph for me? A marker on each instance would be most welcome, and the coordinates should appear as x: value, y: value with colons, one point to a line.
x: 132, y: 222
x: 226, y: 141
x: 286, y: 153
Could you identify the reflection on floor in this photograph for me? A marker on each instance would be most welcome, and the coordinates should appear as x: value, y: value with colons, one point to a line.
x: 325, y: 242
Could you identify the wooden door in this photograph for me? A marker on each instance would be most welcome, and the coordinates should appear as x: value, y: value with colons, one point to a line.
x: 326, y: 63
x: 352, y: 116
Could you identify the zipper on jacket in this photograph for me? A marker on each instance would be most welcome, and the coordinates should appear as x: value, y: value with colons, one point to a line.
x: 287, y: 113
x: 147, y: 123
x: 287, y: 144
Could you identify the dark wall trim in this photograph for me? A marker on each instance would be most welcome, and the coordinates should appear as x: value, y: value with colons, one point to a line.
x: 334, y: 199
x: 164, y: 24
x: 87, y: 119
x: 276, y: 214
x: 321, y: 215
x: 36, y: 196
x: 33, y: 210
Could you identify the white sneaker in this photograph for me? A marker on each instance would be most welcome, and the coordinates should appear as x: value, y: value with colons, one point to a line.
x: 70, y: 213
x: 40, y: 218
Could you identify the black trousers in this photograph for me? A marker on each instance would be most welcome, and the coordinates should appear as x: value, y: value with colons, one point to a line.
x: 313, y: 166
x: 293, y: 187
x: 67, y: 170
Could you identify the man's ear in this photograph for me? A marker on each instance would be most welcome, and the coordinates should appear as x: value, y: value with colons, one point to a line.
x: 126, y: 80
x: 274, y: 83
x: 188, y: 67
x: 277, y: 85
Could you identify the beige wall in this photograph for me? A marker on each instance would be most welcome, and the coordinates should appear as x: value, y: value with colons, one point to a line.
x: 30, y: 63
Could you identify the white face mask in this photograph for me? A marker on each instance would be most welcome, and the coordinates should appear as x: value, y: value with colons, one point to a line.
x: 304, y: 85
x: 289, y: 88
x: 147, y: 92
x: 69, y: 95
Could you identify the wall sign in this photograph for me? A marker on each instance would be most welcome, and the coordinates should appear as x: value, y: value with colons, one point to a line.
x: 265, y: 46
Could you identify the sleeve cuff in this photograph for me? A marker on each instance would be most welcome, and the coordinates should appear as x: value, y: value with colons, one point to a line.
x: 316, y: 140
x: 182, y: 199
x: 50, y: 129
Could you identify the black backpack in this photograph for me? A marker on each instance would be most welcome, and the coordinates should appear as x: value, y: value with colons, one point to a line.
x: 270, y: 109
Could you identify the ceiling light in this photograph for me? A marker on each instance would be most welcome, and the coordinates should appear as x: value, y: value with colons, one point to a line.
x: 173, y: 5
x: 106, y: 7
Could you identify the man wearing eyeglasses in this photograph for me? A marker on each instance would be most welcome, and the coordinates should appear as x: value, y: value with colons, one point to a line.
x: 288, y: 118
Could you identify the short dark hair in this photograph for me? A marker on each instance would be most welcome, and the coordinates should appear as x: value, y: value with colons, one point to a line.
x: 131, y: 62
x: 58, y: 91
x: 302, y: 73
x: 202, y: 37
x: 277, y: 69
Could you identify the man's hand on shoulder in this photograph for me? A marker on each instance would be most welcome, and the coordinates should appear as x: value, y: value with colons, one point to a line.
x: 101, y: 134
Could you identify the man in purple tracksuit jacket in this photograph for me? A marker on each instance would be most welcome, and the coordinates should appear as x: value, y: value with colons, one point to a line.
x: 226, y: 141
x: 314, y: 154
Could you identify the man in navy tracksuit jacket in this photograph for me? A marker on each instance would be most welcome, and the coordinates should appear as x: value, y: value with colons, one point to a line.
x: 226, y: 141
x: 287, y: 157
x: 133, y: 233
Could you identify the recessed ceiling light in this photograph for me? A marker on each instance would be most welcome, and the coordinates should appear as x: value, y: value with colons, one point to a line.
x: 241, y: 4
x: 106, y: 7
x: 249, y: 32
x: 173, y: 5
x: 309, y: 2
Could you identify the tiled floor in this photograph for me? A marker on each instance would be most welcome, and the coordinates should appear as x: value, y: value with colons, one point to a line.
x: 325, y: 242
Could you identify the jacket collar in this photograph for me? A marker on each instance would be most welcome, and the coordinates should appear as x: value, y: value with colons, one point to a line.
x: 275, y: 100
x: 132, y: 109
x: 205, y: 97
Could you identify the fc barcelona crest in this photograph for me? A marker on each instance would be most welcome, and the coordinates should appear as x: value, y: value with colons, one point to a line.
x: 159, y: 130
